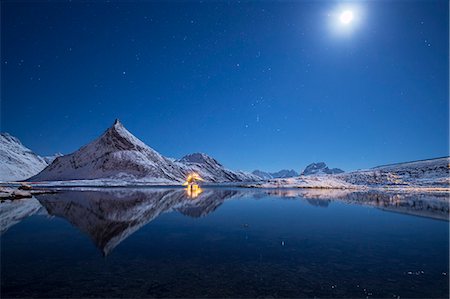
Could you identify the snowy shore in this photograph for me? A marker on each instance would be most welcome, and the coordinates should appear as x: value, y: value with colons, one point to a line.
x: 425, y: 176
x: 12, y: 193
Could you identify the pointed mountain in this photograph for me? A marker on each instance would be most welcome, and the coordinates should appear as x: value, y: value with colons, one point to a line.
x: 116, y: 154
x: 17, y: 162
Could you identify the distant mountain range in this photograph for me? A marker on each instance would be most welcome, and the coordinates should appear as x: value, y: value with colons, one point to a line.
x: 118, y: 154
x: 320, y: 168
x: 433, y: 174
x: 284, y: 173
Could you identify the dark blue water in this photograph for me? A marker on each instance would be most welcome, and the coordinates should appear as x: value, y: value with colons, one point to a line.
x: 225, y: 243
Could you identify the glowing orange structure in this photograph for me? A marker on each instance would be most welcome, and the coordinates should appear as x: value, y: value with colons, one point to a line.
x: 192, y: 188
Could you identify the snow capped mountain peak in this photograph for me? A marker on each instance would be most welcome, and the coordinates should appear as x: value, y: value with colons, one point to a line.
x: 119, y: 138
x: 114, y: 154
x: 315, y: 167
x: 117, y: 122
x: 320, y: 168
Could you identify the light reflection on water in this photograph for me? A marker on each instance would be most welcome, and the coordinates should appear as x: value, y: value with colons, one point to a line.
x: 225, y: 243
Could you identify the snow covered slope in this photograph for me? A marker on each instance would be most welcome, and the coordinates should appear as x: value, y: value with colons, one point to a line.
x: 119, y: 155
x: 115, y: 154
x: 211, y: 170
x: 50, y: 159
x: 17, y: 162
x: 429, y: 174
x: 284, y: 173
x: 262, y: 174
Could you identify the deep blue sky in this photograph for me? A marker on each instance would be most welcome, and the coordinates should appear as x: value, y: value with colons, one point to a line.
x: 264, y: 85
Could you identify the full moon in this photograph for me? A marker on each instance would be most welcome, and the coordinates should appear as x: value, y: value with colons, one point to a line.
x: 346, y: 17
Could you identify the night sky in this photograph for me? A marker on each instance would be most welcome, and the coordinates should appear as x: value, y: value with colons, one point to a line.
x: 257, y: 85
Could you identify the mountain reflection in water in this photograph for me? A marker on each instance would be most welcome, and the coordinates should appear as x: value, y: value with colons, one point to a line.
x: 227, y: 242
x: 110, y: 216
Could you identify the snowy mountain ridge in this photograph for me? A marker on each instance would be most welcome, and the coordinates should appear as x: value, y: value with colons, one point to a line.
x: 17, y: 162
x: 284, y: 173
x: 211, y: 170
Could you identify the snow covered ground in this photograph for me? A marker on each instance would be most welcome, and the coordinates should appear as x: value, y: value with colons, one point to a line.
x: 427, y: 175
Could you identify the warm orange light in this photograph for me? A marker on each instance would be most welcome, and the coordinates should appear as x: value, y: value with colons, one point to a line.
x: 192, y: 188
x: 193, y: 191
x: 192, y: 179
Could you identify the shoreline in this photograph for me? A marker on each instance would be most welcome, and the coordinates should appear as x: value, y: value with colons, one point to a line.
x: 37, y: 188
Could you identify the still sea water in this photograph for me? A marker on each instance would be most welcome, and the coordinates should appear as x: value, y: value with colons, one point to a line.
x: 225, y: 242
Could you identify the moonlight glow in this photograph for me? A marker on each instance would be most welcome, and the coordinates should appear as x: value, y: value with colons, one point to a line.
x: 344, y: 20
x: 346, y: 17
